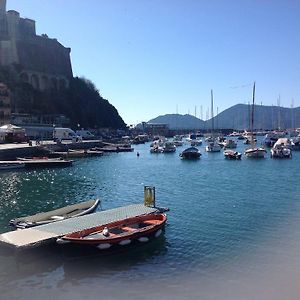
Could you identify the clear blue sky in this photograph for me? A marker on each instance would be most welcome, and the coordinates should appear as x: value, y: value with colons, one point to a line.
x: 153, y: 57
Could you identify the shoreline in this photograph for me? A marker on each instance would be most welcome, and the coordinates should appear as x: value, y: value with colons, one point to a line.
x: 11, y: 151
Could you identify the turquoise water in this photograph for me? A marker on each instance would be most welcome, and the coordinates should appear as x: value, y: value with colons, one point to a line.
x: 232, y: 232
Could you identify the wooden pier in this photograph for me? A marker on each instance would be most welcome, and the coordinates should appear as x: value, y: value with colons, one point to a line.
x: 36, y: 236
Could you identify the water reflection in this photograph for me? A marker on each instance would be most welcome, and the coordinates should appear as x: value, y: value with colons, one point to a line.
x: 81, y: 264
x: 26, y: 193
x: 76, y: 264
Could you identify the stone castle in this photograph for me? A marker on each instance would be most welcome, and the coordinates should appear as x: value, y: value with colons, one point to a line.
x: 41, y: 61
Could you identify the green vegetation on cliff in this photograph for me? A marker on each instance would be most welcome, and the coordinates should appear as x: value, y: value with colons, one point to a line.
x: 81, y: 102
x: 84, y: 105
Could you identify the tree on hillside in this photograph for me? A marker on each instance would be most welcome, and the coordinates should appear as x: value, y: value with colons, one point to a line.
x: 81, y: 102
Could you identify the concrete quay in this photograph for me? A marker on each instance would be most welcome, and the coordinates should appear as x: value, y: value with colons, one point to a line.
x: 14, y: 150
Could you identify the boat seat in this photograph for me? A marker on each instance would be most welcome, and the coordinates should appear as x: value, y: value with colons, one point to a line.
x: 126, y: 228
x: 99, y: 235
x: 57, y: 217
x: 150, y: 222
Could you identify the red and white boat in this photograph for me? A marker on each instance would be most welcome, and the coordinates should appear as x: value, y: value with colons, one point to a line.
x: 123, y: 232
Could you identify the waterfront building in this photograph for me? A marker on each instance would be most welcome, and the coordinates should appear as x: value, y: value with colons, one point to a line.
x: 156, y: 128
x: 39, y: 126
x: 5, y: 105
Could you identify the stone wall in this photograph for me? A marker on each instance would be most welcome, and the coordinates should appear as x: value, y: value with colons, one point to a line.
x: 42, y: 62
x: 5, y: 104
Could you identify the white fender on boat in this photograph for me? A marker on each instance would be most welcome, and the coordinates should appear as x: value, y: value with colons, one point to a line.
x: 104, y: 246
x: 62, y: 241
x: 158, y: 233
x: 143, y: 239
x: 125, y: 242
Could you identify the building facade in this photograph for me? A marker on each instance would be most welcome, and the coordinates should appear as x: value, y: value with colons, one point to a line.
x: 5, y: 105
x: 41, y: 61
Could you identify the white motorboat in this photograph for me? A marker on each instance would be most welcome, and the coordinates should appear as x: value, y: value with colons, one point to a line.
x: 177, y: 140
x: 230, y: 144
x: 169, y: 147
x: 255, y: 152
x: 194, y: 139
x: 281, y: 149
x: 213, y: 147
x: 296, y: 143
x: 156, y: 147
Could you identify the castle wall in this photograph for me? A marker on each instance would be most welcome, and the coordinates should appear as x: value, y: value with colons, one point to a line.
x: 44, y: 55
x: 27, y: 27
x: 3, y: 23
x: 2, y: 8
x: 44, y: 62
x: 8, y: 53
x: 5, y: 104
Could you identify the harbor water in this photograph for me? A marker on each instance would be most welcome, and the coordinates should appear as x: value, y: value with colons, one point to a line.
x: 233, y: 229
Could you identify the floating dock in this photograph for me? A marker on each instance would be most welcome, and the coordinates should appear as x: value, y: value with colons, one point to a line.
x: 39, y: 235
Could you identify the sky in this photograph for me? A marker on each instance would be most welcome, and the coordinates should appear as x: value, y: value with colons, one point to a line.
x: 156, y: 57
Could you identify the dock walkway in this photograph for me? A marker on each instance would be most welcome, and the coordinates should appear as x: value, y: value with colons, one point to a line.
x: 36, y: 236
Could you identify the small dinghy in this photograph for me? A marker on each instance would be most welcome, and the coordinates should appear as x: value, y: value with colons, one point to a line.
x: 35, y: 162
x: 123, y: 232
x: 231, y: 154
x: 70, y: 211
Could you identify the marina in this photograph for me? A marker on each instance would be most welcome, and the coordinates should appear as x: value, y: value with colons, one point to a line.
x: 231, y: 238
x: 137, y: 158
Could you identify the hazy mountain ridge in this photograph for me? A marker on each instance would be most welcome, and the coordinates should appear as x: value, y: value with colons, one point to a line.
x: 177, y: 121
x: 237, y: 117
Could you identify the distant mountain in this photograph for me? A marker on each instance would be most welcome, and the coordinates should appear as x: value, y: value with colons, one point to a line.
x: 237, y: 117
x: 265, y: 117
x: 176, y: 121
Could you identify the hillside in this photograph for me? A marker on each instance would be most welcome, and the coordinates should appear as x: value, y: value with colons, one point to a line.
x: 237, y: 117
x: 81, y: 102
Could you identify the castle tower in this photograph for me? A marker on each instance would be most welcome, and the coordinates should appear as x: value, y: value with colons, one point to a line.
x: 3, y: 26
x: 2, y: 9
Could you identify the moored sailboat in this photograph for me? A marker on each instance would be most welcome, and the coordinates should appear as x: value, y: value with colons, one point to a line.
x: 212, y: 145
x: 253, y: 151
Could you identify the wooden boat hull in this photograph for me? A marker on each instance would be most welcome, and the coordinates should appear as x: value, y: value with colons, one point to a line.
x: 120, y: 233
x: 70, y: 211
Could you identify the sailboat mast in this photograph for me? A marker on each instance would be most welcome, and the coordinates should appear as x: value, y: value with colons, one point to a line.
x: 212, y: 111
x: 252, y: 113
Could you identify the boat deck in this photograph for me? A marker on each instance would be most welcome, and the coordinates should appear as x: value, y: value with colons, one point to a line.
x: 36, y: 236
